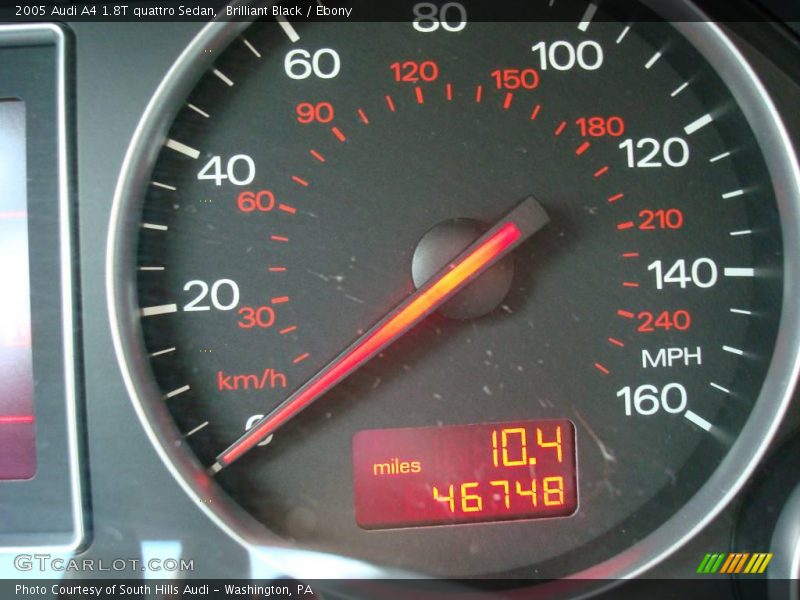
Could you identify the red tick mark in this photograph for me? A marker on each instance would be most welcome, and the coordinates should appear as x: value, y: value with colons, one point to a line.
x: 300, y: 358
x: 339, y: 135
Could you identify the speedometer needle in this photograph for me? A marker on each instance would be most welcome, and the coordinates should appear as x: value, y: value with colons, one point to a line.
x: 524, y: 220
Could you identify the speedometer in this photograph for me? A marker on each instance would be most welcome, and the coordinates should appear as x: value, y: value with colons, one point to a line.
x: 460, y: 296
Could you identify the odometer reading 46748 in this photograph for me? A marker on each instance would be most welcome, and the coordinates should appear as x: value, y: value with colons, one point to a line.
x: 464, y: 474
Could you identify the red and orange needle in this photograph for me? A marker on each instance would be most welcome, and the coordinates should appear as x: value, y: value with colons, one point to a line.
x: 527, y: 218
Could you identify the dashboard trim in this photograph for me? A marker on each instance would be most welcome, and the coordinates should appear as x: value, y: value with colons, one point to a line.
x: 52, y: 34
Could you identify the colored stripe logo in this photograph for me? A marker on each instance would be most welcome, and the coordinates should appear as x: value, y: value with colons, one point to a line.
x: 735, y: 562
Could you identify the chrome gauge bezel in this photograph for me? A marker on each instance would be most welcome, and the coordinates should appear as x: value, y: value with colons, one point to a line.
x: 714, y: 44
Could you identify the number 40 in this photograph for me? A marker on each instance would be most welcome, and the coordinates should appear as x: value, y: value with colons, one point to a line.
x: 239, y: 170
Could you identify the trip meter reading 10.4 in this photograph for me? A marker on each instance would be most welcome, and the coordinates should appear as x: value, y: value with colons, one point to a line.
x: 370, y: 244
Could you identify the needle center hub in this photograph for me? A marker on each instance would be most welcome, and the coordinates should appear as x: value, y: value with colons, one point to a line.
x: 444, y: 242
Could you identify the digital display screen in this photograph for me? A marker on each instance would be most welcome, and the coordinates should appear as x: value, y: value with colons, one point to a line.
x: 464, y: 473
x: 17, y: 427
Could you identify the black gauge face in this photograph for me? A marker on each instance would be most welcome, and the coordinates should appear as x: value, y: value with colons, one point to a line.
x: 317, y: 176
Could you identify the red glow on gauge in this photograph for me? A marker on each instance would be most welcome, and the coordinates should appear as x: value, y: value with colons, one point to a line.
x: 464, y: 473
x: 417, y: 307
x: 13, y: 419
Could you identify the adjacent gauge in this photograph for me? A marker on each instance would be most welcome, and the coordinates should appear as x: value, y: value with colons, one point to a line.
x: 457, y: 296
